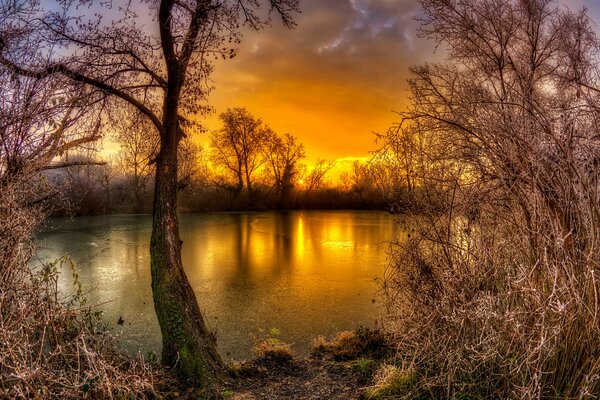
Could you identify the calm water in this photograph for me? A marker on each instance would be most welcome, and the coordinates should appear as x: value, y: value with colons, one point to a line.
x: 306, y: 273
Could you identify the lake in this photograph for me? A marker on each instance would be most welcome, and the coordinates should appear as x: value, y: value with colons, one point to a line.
x: 301, y: 273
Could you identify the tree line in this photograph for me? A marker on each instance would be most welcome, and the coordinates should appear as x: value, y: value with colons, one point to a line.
x: 247, y: 166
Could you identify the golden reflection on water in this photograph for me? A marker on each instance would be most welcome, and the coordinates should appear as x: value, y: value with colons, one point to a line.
x: 307, y: 273
x: 300, y: 240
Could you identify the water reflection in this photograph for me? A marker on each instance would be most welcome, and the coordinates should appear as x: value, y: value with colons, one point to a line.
x: 306, y: 273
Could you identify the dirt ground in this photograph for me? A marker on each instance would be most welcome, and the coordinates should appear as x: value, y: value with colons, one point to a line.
x: 311, y: 378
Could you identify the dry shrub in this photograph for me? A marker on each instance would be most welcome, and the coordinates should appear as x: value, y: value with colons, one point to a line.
x: 52, y: 345
x: 502, y: 300
x: 353, y: 344
x: 495, y: 292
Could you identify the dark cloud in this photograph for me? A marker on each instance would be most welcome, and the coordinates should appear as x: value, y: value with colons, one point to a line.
x: 357, y: 42
x: 336, y: 77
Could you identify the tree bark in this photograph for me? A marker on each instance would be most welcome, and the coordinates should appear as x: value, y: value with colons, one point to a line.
x: 188, y: 346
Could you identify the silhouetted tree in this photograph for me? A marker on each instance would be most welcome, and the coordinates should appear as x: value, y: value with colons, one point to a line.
x: 190, y: 163
x: 283, y: 156
x: 139, y: 144
x: 315, y: 179
x: 239, y: 147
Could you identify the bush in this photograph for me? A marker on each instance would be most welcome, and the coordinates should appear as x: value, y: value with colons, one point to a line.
x: 51, y: 344
x: 493, y: 291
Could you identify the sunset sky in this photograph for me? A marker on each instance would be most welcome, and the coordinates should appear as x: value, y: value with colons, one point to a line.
x: 334, y: 79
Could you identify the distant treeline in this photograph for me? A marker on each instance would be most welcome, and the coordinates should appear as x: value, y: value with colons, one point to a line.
x: 100, y: 189
x: 247, y: 167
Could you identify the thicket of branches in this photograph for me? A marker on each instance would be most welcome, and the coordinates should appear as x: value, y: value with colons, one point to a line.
x: 110, y: 188
x: 51, y: 344
x: 495, y: 291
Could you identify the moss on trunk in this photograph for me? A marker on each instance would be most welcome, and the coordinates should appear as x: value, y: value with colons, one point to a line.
x: 188, y: 347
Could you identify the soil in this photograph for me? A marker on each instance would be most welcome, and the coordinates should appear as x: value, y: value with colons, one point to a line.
x: 339, y: 369
x: 310, y: 378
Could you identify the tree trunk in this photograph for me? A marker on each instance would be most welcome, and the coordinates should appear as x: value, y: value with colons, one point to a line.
x: 239, y: 187
x: 137, y: 191
x: 188, y: 346
x: 249, y: 188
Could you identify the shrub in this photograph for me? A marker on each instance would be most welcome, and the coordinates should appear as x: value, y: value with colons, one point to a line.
x: 493, y: 292
x: 353, y: 344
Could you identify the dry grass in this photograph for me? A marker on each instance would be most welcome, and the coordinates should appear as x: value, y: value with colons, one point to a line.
x: 348, y: 345
x: 478, y: 315
x: 52, y: 345
x: 392, y: 382
x: 273, y: 349
x: 344, y: 345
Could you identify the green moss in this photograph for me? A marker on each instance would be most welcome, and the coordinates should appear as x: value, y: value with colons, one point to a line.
x: 364, y: 367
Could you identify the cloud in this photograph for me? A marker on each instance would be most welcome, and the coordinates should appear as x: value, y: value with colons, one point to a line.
x: 333, y: 80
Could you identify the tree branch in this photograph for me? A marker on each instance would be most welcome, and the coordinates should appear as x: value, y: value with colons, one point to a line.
x: 67, y: 164
x: 77, y: 77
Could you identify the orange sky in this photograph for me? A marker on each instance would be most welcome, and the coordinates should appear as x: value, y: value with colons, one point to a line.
x: 332, y: 81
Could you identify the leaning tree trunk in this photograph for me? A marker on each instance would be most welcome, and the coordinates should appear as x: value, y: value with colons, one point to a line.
x: 188, y: 346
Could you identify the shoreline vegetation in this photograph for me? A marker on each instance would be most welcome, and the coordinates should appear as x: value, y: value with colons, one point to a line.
x: 495, y: 175
x: 82, y: 195
x: 357, y: 364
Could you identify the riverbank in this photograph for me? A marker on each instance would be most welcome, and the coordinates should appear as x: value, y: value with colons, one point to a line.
x: 345, y: 367
x: 309, y: 378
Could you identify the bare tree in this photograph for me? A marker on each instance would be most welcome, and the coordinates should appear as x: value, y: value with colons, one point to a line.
x: 402, y: 152
x: 139, y: 144
x: 158, y: 73
x: 503, y: 272
x: 315, y: 179
x: 283, y: 155
x: 190, y: 163
x: 239, y: 147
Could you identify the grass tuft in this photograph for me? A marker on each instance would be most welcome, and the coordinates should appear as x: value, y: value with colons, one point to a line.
x: 392, y: 382
x: 273, y: 350
x: 348, y: 345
